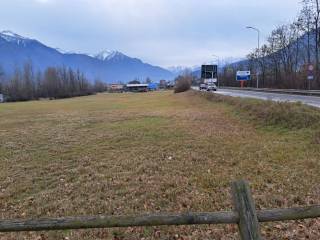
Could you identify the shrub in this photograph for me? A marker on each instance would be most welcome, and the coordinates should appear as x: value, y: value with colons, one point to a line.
x: 183, y: 84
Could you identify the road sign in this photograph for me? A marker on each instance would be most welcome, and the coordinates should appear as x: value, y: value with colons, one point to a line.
x: 209, y: 71
x: 243, y: 75
x: 310, y: 68
x: 310, y: 77
x: 210, y: 81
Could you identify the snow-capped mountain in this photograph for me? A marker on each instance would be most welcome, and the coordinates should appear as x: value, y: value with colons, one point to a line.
x: 103, y: 55
x: 109, y: 66
x: 177, y: 70
x: 108, y: 55
x: 14, y: 38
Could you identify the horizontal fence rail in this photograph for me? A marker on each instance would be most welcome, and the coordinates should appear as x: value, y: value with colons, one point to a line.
x: 244, y: 214
x: 154, y: 220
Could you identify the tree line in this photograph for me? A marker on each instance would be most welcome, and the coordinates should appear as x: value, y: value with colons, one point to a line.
x: 283, y: 61
x: 53, y: 83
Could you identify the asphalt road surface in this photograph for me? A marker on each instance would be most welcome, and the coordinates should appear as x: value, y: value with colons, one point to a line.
x: 309, y: 100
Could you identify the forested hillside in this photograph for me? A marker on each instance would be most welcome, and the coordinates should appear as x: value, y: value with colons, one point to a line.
x: 282, y: 62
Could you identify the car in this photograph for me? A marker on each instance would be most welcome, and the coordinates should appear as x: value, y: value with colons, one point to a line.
x: 203, y: 87
x: 211, y: 87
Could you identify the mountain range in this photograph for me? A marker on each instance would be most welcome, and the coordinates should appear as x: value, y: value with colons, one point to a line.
x: 107, y: 66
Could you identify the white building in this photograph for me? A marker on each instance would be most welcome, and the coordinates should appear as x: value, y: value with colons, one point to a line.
x: 1, y: 98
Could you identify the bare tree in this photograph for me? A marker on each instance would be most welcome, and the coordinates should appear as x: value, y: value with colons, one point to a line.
x: 28, y: 82
x: 2, y: 83
x: 313, y: 8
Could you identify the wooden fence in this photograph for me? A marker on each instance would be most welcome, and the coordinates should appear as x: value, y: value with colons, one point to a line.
x: 244, y: 214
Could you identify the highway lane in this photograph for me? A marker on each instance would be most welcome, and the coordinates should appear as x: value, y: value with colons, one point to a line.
x: 309, y: 100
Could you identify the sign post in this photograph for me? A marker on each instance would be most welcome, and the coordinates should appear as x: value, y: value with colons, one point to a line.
x: 310, y: 75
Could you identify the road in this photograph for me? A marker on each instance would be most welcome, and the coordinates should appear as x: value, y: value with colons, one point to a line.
x: 309, y: 100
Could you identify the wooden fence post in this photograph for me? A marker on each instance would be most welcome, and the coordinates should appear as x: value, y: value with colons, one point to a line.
x: 244, y: 205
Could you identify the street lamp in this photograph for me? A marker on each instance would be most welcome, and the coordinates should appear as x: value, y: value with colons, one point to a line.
x: 258, y: 31
x: 218, y: 59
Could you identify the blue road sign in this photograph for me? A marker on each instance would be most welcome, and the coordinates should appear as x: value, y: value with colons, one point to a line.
x: 310, y: 77
x: 243, y: 75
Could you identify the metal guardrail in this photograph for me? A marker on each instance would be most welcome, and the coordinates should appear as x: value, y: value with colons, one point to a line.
x: 280, y: 91
x: 245, y: 215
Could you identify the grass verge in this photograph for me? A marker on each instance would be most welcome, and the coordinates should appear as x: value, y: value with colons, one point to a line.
x: 269, y: 113
x: 154, y: 152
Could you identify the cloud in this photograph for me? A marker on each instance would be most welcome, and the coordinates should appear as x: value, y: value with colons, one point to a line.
x: 164, y: 32
x: 42, y: 1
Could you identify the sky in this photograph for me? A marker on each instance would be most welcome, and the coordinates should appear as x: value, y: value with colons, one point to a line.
x: 161, y: 32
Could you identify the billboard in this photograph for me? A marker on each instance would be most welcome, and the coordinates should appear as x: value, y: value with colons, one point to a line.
x: 209, y: 71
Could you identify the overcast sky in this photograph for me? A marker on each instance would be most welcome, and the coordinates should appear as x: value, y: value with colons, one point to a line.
x: 160, y: 32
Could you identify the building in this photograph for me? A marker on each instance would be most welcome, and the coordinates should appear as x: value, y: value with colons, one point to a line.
x: 116, y: 88
x: 163, y: 84
x: 1, y: 98
x: 141, y: 87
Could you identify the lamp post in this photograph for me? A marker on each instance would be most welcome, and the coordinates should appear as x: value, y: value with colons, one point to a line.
x: 258, y: 31
x: 217, y: 68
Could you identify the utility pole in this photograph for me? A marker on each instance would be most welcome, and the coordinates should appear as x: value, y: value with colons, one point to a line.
x: 258, y: 31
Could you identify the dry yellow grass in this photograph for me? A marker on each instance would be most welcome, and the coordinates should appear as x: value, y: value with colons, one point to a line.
x: 143, y: 153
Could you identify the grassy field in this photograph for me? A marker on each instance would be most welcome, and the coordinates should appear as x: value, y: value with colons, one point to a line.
x: 153, y: 152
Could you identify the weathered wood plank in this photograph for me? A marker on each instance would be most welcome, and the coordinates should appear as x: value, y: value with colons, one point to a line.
x: 118, y: 221
x: 245, y: 207
x: 154, y: 220
x: 287, y: 214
